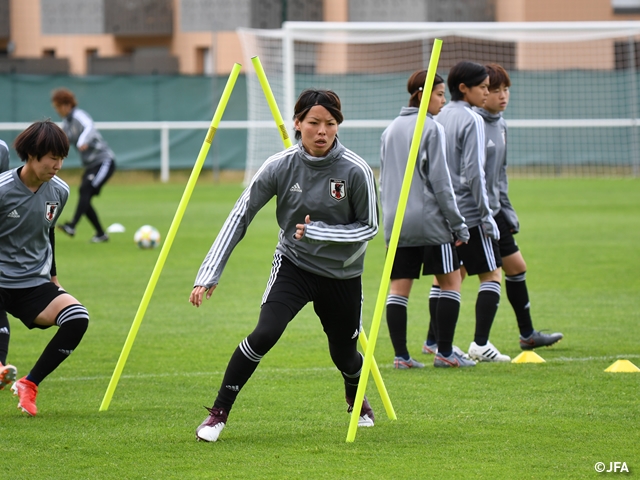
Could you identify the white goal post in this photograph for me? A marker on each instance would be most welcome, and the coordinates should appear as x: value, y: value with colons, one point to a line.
x: 574, y: 105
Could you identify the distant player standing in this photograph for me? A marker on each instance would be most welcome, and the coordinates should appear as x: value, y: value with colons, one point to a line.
x: 327, y: 212
x: 426, y: 244
x: 505, y: 216
x: 7, y: 372
x: 4, y: 157
x: 31, y: 200
x: 97, y: 158
x: 469, y: 87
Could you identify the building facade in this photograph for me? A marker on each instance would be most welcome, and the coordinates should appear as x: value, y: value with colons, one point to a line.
x: 196, y: 37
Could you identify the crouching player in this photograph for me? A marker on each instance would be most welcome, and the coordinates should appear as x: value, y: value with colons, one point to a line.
x: 31, y: 200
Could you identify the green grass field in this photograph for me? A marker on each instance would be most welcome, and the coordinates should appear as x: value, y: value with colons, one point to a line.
x: 495, y: 421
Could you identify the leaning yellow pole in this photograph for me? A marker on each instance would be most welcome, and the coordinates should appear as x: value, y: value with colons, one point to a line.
x: 271, y: 100
x: 395, y: 236
x: 222, y: 104
x: 275, y: 111
x: 377, y: 377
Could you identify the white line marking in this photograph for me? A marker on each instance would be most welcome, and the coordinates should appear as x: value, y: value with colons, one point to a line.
x: 276, y: 370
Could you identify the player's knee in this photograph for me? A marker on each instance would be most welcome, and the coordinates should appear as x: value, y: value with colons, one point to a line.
x: 262, y: 341
x: 346, y: 358
x: 74, y: 317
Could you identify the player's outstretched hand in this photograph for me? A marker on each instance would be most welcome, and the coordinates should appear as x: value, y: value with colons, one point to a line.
x: 198, y: 292
x: 300, y: 227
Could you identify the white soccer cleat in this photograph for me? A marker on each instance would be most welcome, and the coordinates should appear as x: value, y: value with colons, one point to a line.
x: 210, y: 429
x: 487, y: 353
x: 367, y: 417
x: 459, y: 351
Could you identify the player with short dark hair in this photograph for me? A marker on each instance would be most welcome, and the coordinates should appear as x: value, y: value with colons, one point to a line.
x: 96, y: 156
x: 31, y: 200
x: 469, y: 86
x: 327, y: 212
x: 505, y: 215
x: 427, y: 244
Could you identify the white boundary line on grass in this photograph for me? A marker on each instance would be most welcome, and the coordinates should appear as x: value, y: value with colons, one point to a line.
x: 311, y: 369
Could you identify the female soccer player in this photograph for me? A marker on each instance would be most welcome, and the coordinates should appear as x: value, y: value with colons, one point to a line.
x: 327, y: 212
x: 4, y: 157
x: 32, y: 198
x: 98, y: 159
x: 505, y: 216
x: 7, y: 372
x: 426, y: 240
x: 469, y: 87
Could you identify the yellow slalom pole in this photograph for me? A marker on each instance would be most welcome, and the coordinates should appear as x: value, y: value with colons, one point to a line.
x: 271, y: 100
x: 395, y: 235
x: 377, y: 377
x: 222, y: 104
x: 268, y: 93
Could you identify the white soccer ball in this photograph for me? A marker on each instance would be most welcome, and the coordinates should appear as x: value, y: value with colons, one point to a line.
x: 147, y: 237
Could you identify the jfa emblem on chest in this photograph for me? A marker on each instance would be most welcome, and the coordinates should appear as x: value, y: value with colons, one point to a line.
x: 50, y: 210
x: 338, y: 189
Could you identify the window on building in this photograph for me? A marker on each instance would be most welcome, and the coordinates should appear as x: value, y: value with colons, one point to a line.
x: 49, y: 53
x: 204, y: 61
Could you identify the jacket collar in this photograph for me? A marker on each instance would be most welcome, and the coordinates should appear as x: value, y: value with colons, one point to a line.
x: 489, y: 117
x: 334, y: 154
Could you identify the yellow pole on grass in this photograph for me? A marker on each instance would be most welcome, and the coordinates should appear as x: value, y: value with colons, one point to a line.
x: 395, y: 235
x: 377, y: 377
x: 268, y: 93
x: 271, y: 100
x: 222, y: 104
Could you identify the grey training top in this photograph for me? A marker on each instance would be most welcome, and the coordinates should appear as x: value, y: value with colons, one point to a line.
x: 4, y: 157
x: 25, y: 219
x: 431, y: 214
x: 338, y: 192
x: 496, y: 167
x: 79, y: 127
x: 464, y: 131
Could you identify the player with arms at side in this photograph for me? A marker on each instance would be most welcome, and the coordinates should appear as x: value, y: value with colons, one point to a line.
x: 327, y: 212
x: 97, y: 158
x: 426, y: 240
x: 4, y: 156
x: 469, y: 87
x: 7, y: 372
x: 31, y: 200
x: 505, y: 216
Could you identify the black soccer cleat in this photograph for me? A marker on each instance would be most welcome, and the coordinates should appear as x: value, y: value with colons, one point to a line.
x: 539, y: 339
x: 68, y: 229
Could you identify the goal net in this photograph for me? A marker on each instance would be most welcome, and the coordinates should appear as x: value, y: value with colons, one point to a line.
x: 574, y: 104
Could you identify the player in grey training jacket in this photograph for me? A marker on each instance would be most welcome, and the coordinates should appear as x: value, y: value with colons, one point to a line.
x: 468, y: 84
x: 327, y: 212
x: 505, y: 216
x: 31, y: 200
x: 426, y: 240
x: 97, y: 158
x: 4, y: 157
x: 7, y: 372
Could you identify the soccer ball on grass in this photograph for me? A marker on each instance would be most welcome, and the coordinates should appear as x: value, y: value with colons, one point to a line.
x: 147, y: 237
